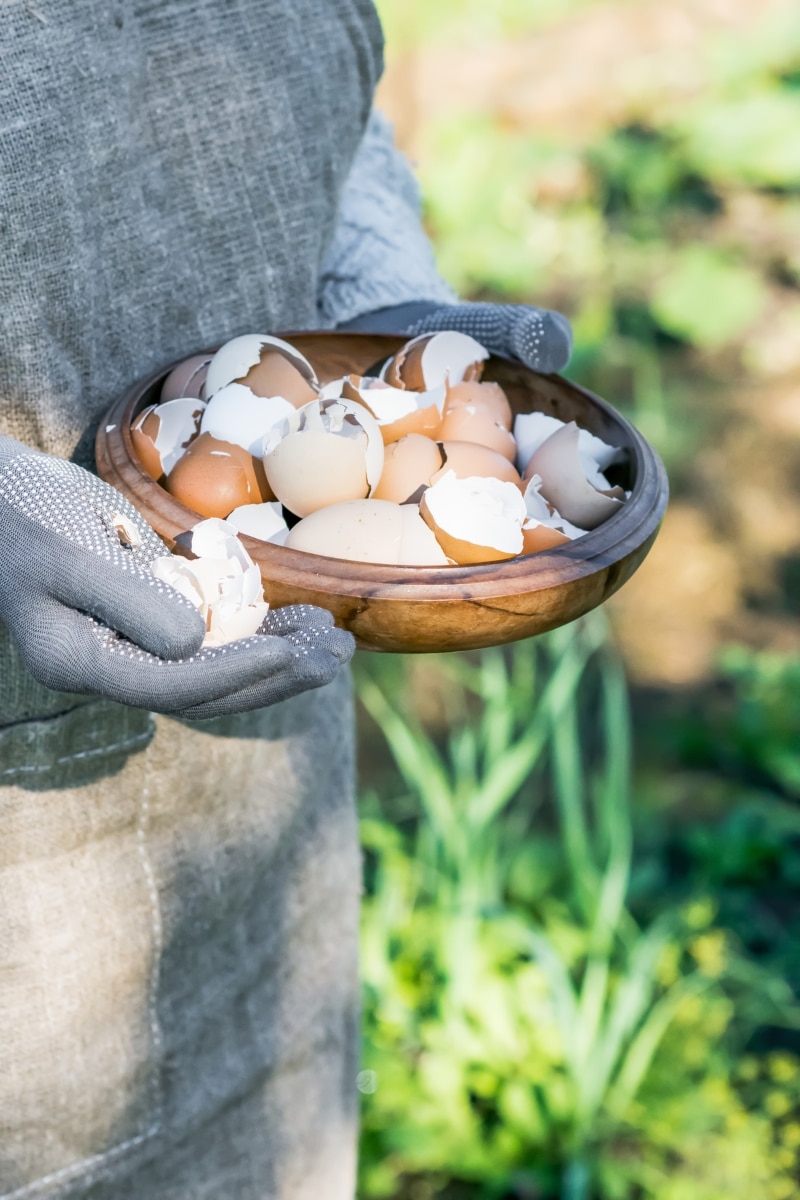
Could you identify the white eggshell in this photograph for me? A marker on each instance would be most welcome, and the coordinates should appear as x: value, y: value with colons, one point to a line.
x: 233, y: 360
x: 539, y: 510
x: 235, y: 415
x: 530, y: 430
x: 222, y: 580
x: 263, y: 521
x: 475, y: 519
x: 400, y: 412
x: 446, y: 357
x: 564, y: 483
x: 177, y: 426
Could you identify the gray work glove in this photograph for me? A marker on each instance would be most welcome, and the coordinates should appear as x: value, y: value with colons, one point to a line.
x: 89, y: 616
x: 538, y: 337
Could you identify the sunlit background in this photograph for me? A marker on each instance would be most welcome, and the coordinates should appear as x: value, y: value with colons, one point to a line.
x: 581, y: 943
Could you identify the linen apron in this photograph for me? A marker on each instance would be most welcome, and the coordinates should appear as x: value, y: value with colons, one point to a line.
x: 178, y: 901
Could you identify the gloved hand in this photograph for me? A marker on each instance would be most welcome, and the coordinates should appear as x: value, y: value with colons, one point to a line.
x: 88, y: 616
x: 538, y: 337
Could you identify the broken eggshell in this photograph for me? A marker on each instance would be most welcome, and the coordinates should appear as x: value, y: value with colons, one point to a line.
x: 432, y: 359
x: 263, y: 521
x: 162, y: 432
x: 267, y: 365
x: 564, y: 483
x: 476, y: 519
x: 222, y: 581
x: 372, y: 531
x: 235, y: 414
x: 400, y: 412
x: 187, y: 378
x: 326, y: 452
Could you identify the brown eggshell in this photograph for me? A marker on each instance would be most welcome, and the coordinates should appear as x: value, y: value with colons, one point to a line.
x: 419, y: 365
x: 488, y: 397
x: 186, y: 379
x: 458, y: 549
x: 276, y: 375
x: 213, y: 478
x: 144, y: 432
x: 468, y: 458
x: 536, y: 537
x: 466, y: 423
x: 409, y: 465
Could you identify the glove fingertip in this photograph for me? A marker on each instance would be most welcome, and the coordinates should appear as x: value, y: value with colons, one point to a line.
x: 543, y: 340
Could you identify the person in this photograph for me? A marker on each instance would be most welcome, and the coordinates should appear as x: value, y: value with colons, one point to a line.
x: 179, y: 865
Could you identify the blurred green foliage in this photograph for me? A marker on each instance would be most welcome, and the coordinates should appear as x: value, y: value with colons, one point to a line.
x: 581, y: 975
x: 535, y: 1025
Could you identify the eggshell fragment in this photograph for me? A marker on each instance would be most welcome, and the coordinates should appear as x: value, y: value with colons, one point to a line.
x: 433, y: 358
x: 324, y: 453
x: 564, y: 483
x: 543, y: 513
x: 187, y: 378
x: 409, y: 465
x: 235, y: 414
x: 483, y: 396
x: 538, y: 536
x: 532, y: 429
x: 466, y: 423
x: 373, y: 531
x: 475, y: 520
x: 468, y: 458
x: 234, y: 361
x: 213, y: 477
x: 222, y: 581
x: 262, y: 521
x: 400, y: 412
x: 162, y: 433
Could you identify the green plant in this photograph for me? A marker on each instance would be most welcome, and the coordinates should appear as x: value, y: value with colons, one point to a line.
x: 523, y: 1028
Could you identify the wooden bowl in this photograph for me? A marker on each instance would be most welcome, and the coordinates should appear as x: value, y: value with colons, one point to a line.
x: 430, y: 608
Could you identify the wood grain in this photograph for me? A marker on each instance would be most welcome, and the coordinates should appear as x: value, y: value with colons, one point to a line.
x: 422, y: 609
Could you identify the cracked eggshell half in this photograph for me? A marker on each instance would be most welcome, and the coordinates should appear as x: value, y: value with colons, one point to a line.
x: 564, y: 483
x: 235, y: 414
x: 163, y: 432
x: 432, y: 359
x: 267, y: 365
x: 187, y: 378
x: 329, y: 451
x: 370, y: 531
x: 475, y: 520
x: 400, y: 412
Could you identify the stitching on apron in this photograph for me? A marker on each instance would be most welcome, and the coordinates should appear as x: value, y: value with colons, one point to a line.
x: 89, y: 1165
x: 125, y: 744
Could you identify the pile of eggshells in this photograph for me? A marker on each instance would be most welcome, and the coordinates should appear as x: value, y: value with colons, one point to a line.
x: 423, y: 465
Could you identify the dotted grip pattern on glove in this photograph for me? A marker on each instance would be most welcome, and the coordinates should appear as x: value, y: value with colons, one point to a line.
x: 90, y: 617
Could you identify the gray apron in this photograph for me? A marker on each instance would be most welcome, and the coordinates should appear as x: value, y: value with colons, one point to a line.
x: 178, y: 903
